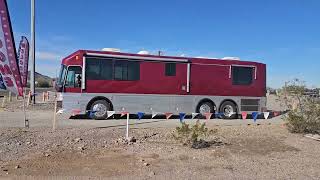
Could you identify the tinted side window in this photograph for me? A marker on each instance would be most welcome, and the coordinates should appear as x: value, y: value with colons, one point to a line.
x: 242, y: 75
x: 133, y: 70
x: 126, y: 70
x: 93, y: 69
x: 170, y: 69
x: 106, y: 69
x: 99, y: 69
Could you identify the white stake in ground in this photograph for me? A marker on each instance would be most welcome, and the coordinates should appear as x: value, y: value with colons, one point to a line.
x: 54, y: 124
x: 127, y: 133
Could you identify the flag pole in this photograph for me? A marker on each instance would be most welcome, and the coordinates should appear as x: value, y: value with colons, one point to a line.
x: 32, y: 67
x: 26, y: 121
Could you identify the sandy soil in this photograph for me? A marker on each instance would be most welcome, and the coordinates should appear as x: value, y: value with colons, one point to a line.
x: 87, y: 149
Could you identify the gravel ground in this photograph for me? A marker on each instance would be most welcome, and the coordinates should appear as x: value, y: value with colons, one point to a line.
x: 88, y: 149
x: 246, y: 152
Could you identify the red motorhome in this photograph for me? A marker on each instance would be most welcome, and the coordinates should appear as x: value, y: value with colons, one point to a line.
x: 101, y: 81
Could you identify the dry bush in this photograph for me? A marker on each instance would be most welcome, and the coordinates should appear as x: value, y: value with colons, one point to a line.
x: 304, y: 111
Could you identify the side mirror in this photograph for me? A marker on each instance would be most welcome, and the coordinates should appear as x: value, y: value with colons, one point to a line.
x: 58, y: 87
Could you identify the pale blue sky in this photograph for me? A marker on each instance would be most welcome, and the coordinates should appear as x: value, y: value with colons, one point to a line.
x: 283, y: 34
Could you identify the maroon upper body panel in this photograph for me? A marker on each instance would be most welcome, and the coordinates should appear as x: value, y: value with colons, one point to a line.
x: 207, y: 77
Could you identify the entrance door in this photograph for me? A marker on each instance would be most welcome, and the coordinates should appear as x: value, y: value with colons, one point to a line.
x: 73, y: 79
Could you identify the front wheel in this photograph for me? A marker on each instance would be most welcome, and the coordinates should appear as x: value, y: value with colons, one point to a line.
x: 228, y: 110
x: 99, y: 109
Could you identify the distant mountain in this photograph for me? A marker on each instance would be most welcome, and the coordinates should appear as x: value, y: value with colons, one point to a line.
x: 41, y: 78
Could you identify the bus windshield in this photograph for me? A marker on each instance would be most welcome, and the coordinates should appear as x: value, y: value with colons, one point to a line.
x: 63, y: 71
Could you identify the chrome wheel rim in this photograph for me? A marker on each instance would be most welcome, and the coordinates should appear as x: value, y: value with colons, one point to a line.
x: 204, y: 108
x: 99, y: 109
x: 228, y: 111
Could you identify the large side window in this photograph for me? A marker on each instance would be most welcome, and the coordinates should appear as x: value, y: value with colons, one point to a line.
x: 170, y: 69
x: 92, y: 69
x: 106, y: 69
x: 112, y: 69
x: 133, y: 71
x: 98, y: 69
x: 126, y: 70
x: 242, y: 75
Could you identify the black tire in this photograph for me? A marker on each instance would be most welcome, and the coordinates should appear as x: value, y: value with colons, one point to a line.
x: 103, y: 113
x: 225, y: 114
x: 205, y: 103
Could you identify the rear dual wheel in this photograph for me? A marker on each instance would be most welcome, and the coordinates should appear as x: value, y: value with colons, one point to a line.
x: 228, y: 110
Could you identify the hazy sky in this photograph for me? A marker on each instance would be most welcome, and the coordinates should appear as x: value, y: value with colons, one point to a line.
x: 284, y: 34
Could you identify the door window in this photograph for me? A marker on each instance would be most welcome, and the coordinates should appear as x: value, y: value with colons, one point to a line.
x: 74, y: 77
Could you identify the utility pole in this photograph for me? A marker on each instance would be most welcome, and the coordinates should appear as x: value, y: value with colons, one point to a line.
x: 32, y: 68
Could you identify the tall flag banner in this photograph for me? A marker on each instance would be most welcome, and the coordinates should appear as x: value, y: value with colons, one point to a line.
x: 110, y: 113
x: 9, y: 68
x: 207, y: 115
x: 266, y: 115
x: 23, y: 59
x: 168, y: 115
x: 153, y: 114
x: 244, y: 115
x: 182, y: 116
x: 255, y: 116
x: 140, y: 115
x: 194, y: 115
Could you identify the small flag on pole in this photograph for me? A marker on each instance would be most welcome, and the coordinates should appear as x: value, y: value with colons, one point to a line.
x: 244, y: 115
x: 276, y: 113
x: 60, y: 111
x: 168, y: 115
x: 124, y: 113
x: 91, y: 113
x: 153, y: 114
x: 207, y: 115
x: 194, y: 115
x: 266, y: 115
x: 110, y: 113
x: 182, y: 116
x: 75, y: 112
x: 219, y: 115
x: 255, y: 116
x: 140, y: 115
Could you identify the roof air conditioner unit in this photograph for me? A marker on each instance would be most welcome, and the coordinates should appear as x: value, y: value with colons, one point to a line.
x: 111, y: 49
x: 144, y: 52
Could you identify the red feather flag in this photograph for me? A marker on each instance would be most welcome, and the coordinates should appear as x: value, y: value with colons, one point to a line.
x: 9, y: 69
x: 23, y: 59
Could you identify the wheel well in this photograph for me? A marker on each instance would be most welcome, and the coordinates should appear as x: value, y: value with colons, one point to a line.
x: 203, y: 101
x: 232, y: 101
x: 99, y: 98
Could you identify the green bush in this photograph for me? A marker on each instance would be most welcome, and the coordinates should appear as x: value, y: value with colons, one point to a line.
x: 189, y: 135
x: 304, y: 111
x: 43, y: 84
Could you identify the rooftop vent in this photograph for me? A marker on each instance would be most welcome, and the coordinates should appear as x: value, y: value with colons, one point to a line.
x: 143, y: 52
x: 111, y: 49
x: 231, y: 58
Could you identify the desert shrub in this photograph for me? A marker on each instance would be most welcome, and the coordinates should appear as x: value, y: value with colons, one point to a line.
x: 190, y: 135
x: 304, y: 111
x: 43, y: 84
